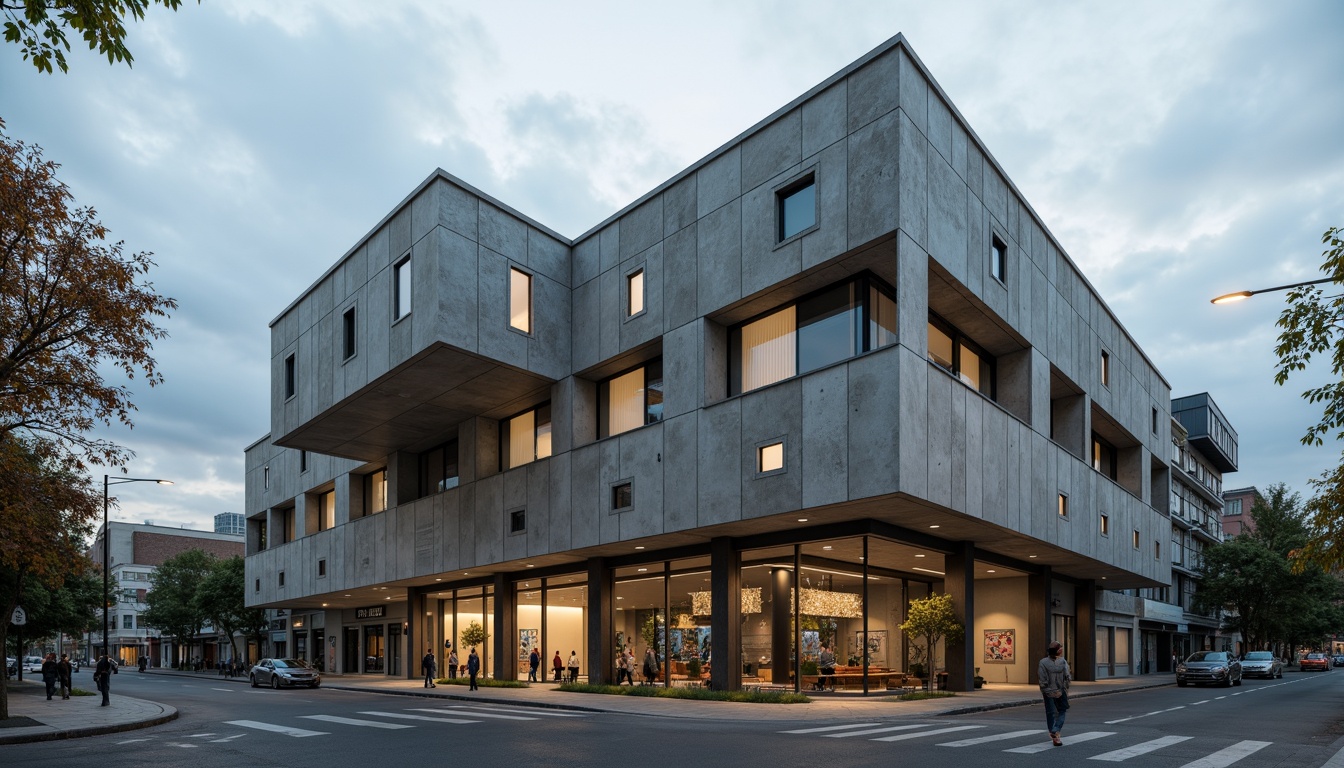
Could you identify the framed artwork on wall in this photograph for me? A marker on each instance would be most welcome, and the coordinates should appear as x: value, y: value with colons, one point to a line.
x: 527, y: 640
x: 877, y: 646
x: 1000, y: 646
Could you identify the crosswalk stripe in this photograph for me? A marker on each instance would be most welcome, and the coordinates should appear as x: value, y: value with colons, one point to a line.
x: 354, y: 721
x: 871, y: 731
x: 922, y: 734
x: 286, y: 730
x: 1118, y: 755
x: 523, y: 711
x: 823, y: 729
x: 986, y: 739
x: 1225, y: 757
x: 1068, y: 740
x: 408, y: 716
x: 470, y: 713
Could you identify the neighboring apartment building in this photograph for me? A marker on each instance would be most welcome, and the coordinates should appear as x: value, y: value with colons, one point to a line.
x: 136, y: 551
x: 232, y: 523
x: 837, y: 365
x: 1237, y: 506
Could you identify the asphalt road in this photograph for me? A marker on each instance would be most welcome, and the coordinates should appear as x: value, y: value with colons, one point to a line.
x: 1295, y: 721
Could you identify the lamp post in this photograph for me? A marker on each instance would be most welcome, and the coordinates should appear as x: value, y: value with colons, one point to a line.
x: 107, y: 543
x: 1228, y: 298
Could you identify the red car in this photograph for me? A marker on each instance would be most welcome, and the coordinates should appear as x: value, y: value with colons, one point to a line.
x: 1315, y: 661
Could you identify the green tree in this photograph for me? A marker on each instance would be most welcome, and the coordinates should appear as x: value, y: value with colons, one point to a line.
x: 474, y: 635
x: 1246, y: 579
x: 221, y: 596
x: 1313, y: 326
x: 173, y: 604
x: 39, y: 27
x: 934, y: 619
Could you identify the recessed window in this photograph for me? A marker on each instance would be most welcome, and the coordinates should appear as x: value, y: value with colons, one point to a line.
x: 326, y: 510
x: 291, y: 377
x: 257, y: 586
x: 1103, y: 457
x: 631, y: 399
x: 287, y: 531
x: 266, y: 477
x: 797, y: 208
x: 375, y: 492
x: 520, y: 300
x: 1063, y: 506
x: 526, y: 437
x: 634, y: 290
x: 438, y: 468
x: 518, y: 521
x: 1136, y: 539
x: 822, y: 328
x: 998, y: 258
x: 1154, y: 421
x: 1105, y: 368
x: 303, y: 461
x: 1105, y: 525
x: 401, y: 288
x: 622, y: 496
x: 348, y: 333
x: 322, y: 568
x: 770, y: 458
x: 960, y: 356
x: 280, y: 578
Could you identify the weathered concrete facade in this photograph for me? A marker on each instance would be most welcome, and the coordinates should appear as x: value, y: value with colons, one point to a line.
x: 883, y: 441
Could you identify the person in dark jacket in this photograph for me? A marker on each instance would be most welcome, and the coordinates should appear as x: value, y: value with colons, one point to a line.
x: 102, y: 675
x: 51, y: 674
x: 1053, y: 673
x: 473, y: 667
x: 66, y: 672
x: 428, y: 666
x: 533, y: 664
x: 558, y: 665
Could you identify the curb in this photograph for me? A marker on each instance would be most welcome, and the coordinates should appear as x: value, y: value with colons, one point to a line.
x: 169, y: 715
x: 1031, y: 702
x: 476, y: 699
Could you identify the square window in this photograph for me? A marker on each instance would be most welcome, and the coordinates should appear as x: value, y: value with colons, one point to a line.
x: 1105, y: 525
x: 518, y: 521
x: 998, y: 258
x: 520, y: 300
x: 770, y: 458
x: 634, y: 288
x: 631, y: 400
x: 622, y: 496
x: 797, y: 208
x: 321, y: 568
x: 401, y: 288
x: 1105, y: 368
x: 348, y: 333
x: 291, y: 378
x: 1063, y: 507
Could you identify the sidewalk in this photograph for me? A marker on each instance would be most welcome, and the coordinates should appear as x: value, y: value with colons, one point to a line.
x: 75, y: 717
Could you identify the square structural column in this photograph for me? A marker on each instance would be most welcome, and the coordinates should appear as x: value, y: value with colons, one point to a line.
x: 725, y: 622
x: 1039, y: 617
x: 416, y: 637
x: 959, y: 582
x: 501, y: 645
x: 1084, y: 665
x: 601, y: 656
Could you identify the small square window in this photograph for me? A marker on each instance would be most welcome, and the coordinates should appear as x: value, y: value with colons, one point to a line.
x: 1063, y: 507
x: 348, y: 333
x: 322, y: 568
x: 280, y: 577
x: 1105, y: 368
x: 291, y: 377
x: 797, y: 208
x: 998, y: 258
x: 770, y: 458
x: 518, y: 521
x: 1136, y: 539
x: 634, y: 287
x: 520, y: 300
x: 622, y: 496
x: 1105, y: 525
x: 401, y: 288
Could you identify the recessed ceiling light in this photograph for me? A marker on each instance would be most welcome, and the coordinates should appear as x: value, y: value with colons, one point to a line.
x: 990, y: 570
x: 802, y: 519
x: 347, y: 595
x: 324, y: 605
x: 919, y: 555
x: 638, y: 547
x: 642, y: 570
x: 620, y: 598
x: 935, y: 526
x: 529, y: 565
x: 387, y: 598
x: 827, y: 547
x: 1033, y: 557
x: 926, y: 570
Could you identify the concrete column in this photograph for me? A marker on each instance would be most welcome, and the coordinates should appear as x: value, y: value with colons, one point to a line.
x: 960, y: 584
x: 1038, y: 622
x: 416, y: 642
x: 501, y: 645
x: 601, y: 653
x: 1085, y: 648
x: 781, y: 626
x: 725, y: 577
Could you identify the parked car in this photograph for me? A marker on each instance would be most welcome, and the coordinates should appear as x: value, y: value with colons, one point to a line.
x: 1338, y: 661
x: 1215, y: 667
x: 1315, y: 660
x: 32, y: 663
x: 278, y: 672
x: 1261, y: 664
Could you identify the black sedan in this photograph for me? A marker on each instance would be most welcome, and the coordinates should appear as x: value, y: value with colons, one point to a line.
x: 1214, y: 667
x: 290, y: 672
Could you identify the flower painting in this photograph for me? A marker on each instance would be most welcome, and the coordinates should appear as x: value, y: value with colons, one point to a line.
x: 1000, y: 646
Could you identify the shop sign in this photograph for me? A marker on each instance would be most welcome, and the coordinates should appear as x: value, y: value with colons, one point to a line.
x: 375, y: 612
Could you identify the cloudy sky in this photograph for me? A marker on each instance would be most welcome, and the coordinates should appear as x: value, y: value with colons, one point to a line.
x: 1177, y: 151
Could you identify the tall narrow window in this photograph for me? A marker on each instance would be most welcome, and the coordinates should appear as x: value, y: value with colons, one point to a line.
x: 326, y: 510
x: 401, y: 288
x: 797, y: 208
x: 291, y: 377
x: 1063, y: 505
x: 303, y: 461
x: 527, y: 437
x: 998, y: 258
x: 520, y: 300
x: 1105, y: 525
x: 634, y: 286
x: 631, y: 400
x: 438, y: 468
x: 375, y: 492
x: 348, y: 333
x: 1103, y: 457
x: 1105, y: 368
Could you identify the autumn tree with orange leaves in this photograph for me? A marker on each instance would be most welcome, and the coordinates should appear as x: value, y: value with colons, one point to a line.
x: 72, y: 306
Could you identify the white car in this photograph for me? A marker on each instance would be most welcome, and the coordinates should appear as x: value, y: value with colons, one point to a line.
x: 32, y: 664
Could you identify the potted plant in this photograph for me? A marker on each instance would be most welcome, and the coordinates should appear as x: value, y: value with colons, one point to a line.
x: 693, y: 668
x: 933, y: 618
x: 979, y: 681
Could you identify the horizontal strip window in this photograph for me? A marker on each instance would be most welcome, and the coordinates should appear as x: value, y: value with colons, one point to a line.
x: 960, y: 356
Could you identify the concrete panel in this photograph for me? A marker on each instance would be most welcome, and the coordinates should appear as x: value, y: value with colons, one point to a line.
x: 587, y: 320
x: 457, y: 310
x: 584, y: 497
x: 914, y: 94
x: 549, y: 348
x: 719, y: 250
x: 874, y: 91
x: 609, y: 247
x: 399, y: 232
x: 496, y: 339
x: 719, y: 466
x: 489, y: 516
x: 825, y: 434
x: 913, y: 172
x: 640, y: 454
x: 959, y: 139
x: 560, y: 489
x: 682, y: 354
x: 641, y: 228
x: 940, y: 129
x: 961, y: 434
x: 608, y: 472
x: 649, y: 325
x: 586, y: 261
x: 831, y: 237
x: 763, y: 262
x: 680, y: 283
x: 679, y: 206
x: 947, y: 225
x: 502, y: 233
x: 772, y: 150
x: 379, y: 255
x: 824, y: 119
x: 611, y: 313
x: 424, y: 212
x: 514, y: 487
x: 975, y: 170
x: 680, y: 457
x: 873, y: 191
x: 769, y: 414
x: 718, y: 182
x: 548, y: 256
x: 457, y: 209
x: 466, y: 512
x: 875, y: 397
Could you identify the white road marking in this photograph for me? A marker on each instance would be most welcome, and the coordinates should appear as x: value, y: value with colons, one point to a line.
x: 132, y: 741
x: 355, y: 721
x: 1140, y: 749
x: 408, y: 716
x: 286, y: 730
x: 523, y: 711
x: 871, y: 731
x: 184, y: 746
x: 832, y: 728
x: 1225, y: 757
x: 469, y: 713
x: 1068, y: 741
x: 227, y: 739
x: 226, y: 690
x: 905, y: 736
x: 1197, y: 703
x: 987, y: 739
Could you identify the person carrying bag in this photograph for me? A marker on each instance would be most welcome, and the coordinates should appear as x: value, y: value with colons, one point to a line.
x: 1053, y: 674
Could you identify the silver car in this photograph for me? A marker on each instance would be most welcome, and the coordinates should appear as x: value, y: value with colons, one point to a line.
x: 1261, y: 664
x: 278, y: 672
x: 1216, y: 667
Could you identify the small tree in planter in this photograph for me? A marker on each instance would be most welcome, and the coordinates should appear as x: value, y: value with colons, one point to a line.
x: 933, y: 618
x: 474, y: 635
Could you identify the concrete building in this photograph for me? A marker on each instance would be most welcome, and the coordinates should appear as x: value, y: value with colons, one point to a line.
x: 232, y: 523
x: 136, y: 551
x: 837, y: 365
x: 1237, y: 506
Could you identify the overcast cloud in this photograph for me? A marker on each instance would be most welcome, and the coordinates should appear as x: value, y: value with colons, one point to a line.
x: 1177, y: 151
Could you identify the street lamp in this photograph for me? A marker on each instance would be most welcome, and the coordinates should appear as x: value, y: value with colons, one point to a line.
x: 1228, y: 298
x: 107, y: 543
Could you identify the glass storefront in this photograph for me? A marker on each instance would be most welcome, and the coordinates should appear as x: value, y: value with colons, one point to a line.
x: 374, y: 648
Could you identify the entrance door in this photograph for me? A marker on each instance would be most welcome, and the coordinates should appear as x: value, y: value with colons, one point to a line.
x: 374, y: 651
x: 394, y: 649
x: 350, y: 660
x: 301, y: 645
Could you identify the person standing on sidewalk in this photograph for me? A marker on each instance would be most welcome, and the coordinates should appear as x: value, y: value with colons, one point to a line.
x: 453, y: 664
x: 533, y: 664
x: 51, y: 674
x: 428, y: 666
x: 573, y: 666
x: 64, y: 670
x: 102, y: 675
x: 473, y: 667
x: 1053, y: 673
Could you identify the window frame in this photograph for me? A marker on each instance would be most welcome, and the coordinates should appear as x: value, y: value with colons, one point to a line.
x: 530, y: 317
x: 366, y: 482
x: 604, y: 397
x: 998, y: 258
x: 959, y: 340
x: 349, y: 341
x: 630, y: 277
x: 291, y: 376
x: 1105, y: 524
x: 761, y: 447
x: 515, y: 517
x: 401, y: 287
x: 1062, y: 506
x: 783, y: 193
x: 505, y: 442
x: 1102, y: 449
x: 616, y: 489
x: 1105, y: 369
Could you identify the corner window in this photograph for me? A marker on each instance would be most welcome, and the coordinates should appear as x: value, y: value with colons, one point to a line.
x: 622, y: 496
x: 634, y: 291
x: 998, y: 258
x: 822, y: 328
x: 520, y: 300
x: 1105, y: 368
x: 631, y: 399
x: 770, y: 458
x: 291, y: 377
x: 401, y: 288
x: 348, y: 334
x: 518, y: 521
x: 797, y: 208
x: 526, y: 437
x: 960, y: 356
x: 375, y: 492
x: 1063, y: 505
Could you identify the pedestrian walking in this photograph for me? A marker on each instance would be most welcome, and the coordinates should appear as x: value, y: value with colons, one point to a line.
x: 428, y: 666
x: 573, y: 666
x: 473, y: 667
x: 66, y: 672
x: 102, y: 675
x: 1053, y: 673
x: 51, y: 674
x: 533, y: 664
x: 453, y: 663
x: 558, y: 665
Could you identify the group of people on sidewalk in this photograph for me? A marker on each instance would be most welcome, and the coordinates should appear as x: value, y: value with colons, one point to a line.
x: 429, y: 667
x: 57, y: 674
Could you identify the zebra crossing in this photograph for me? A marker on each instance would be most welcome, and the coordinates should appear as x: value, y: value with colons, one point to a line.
x: 408, y: 718
x: 1074, y: 742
